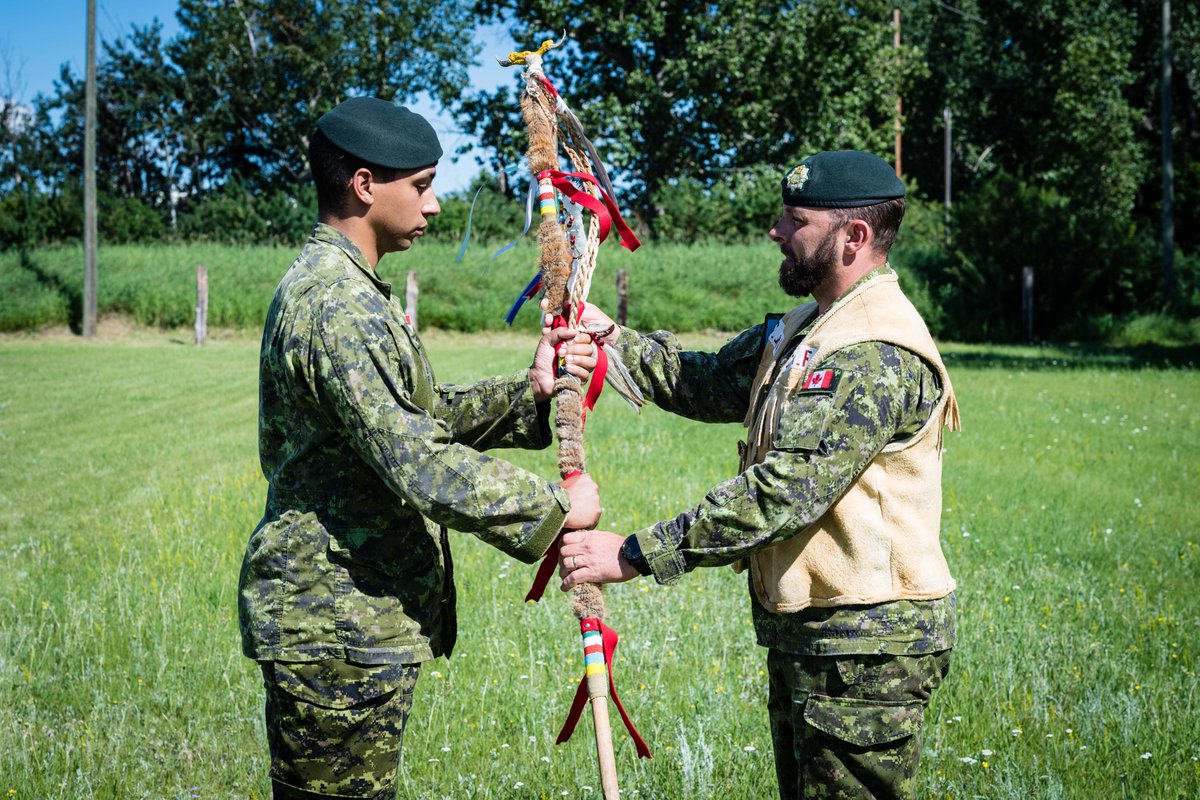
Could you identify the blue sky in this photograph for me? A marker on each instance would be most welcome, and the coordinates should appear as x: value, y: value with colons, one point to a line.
x: 40, y: 35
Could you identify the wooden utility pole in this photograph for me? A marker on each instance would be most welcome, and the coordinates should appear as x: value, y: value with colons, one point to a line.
x: 896, y: 44
x: 1027, y: 303
x: 948, y: 118
x: 1170, y: 286
x: 89, y: 180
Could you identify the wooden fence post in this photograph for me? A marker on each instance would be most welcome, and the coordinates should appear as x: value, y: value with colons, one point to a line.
x: 622, y: 296
x: 201, y: 304
x: 1027, y: 303
x: 411, y: 291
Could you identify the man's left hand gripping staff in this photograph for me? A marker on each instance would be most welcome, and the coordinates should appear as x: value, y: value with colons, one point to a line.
x: 593, y: 557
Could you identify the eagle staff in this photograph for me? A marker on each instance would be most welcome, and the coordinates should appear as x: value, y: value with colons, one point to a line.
x: 567, y: 260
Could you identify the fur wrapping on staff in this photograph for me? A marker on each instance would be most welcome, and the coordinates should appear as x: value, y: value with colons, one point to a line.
x: 586, y: 599
x: 555, y: 257
x: 568, y: 424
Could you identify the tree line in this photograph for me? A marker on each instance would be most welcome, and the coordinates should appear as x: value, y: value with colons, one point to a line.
x: 697, y: 107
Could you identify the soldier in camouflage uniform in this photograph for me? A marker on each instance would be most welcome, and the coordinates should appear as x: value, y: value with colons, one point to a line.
x: 836, y: 511
x: 347, y: 585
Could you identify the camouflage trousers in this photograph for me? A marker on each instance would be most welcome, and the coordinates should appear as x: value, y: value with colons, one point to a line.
x: 335, y: 729
x: 849, y: 726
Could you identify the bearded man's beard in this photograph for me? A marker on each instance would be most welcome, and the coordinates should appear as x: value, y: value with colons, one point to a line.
x: 798, y: 275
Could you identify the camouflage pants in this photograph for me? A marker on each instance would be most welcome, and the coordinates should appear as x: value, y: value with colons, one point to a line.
x: 849, y: 726
x: 335, y: 728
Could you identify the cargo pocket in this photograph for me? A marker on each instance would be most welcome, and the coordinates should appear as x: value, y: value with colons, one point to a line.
x: 864, y: 723
x: 340, y: 685
x: 722, y: 493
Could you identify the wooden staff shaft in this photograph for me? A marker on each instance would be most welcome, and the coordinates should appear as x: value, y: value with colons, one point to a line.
x: 604, y: 749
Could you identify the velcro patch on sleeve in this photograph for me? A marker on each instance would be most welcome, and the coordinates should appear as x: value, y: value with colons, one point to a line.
x: 822, y: 381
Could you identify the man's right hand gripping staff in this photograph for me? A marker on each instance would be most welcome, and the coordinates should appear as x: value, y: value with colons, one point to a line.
x: 585, y: 502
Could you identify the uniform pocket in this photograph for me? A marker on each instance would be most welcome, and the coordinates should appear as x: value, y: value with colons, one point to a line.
x: 803, y: 423
x: 865, y: 723
x: 724, y: 492
x: 338, y: 684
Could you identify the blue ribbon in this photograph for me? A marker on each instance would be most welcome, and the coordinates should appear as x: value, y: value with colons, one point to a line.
x: 527, y: 293
x: 467, y: 235
x: 528, y: 221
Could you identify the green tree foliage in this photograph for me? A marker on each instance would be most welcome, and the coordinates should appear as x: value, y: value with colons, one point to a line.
x: 697, y: 109
x: 1047, y: 166
x: 138, y: 146
x: 696, y: 91
x: 260, y: 73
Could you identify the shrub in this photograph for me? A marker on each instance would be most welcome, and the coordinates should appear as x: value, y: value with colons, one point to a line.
x: 1156, y: 329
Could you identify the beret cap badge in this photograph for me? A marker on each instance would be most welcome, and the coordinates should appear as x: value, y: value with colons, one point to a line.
x: 841, y: 179
x: 797, y: 178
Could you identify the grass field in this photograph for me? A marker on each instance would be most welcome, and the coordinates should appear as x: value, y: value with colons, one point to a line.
x: 690, y: 287
x: 129, y: 486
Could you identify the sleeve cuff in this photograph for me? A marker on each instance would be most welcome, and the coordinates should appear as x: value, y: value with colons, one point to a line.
x: 662, y: 558
x: 540, y: 540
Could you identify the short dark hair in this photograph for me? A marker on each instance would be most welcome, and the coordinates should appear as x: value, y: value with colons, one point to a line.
x: 884, y: 219
x: 332, y: 169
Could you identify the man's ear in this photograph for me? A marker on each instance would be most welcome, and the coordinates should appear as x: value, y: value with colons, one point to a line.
x: 858, y: 236
x: 362, y: 184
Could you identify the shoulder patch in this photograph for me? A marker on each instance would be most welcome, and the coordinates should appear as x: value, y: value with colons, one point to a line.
x: 772, y: 331
x: 822, y: 381
x: 801, y: 356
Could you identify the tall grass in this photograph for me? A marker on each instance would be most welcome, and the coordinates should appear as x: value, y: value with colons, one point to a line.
x: 130, y: 485
x: 689, y: 287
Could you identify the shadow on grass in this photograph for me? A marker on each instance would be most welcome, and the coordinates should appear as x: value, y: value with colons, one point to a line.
x: 72, y: 294
x: 1067, y: 357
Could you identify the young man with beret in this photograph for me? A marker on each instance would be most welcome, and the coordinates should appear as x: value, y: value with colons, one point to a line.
x: 836, y: 510
x: 347, y: 585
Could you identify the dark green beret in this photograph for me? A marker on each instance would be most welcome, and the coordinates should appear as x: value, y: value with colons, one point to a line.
x: 381, y: 133
x: 841, y: 179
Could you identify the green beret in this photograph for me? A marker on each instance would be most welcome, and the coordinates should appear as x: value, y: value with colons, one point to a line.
x: 381, y: 133
x: 841, y: 179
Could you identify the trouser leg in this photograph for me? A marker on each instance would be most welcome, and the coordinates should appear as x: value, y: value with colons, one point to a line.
x: 335, y: 729
x: 850, y: 726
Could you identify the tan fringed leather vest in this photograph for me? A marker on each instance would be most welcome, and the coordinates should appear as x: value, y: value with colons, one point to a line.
x: 879, y: 541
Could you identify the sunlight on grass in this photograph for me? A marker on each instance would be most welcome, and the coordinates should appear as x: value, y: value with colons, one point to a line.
x: 130, y: 485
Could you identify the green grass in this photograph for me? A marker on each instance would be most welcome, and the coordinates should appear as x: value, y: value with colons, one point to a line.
x: 130, y: 485
x: 689, y: 287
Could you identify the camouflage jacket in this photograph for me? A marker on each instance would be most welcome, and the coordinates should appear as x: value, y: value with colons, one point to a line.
x: 884, y: 393
x: 368, y: 461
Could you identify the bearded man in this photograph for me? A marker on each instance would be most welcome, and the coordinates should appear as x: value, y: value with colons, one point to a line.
x: 836, y: 511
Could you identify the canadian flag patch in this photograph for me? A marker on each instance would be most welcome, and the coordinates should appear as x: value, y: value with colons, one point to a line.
x: 822, y: 380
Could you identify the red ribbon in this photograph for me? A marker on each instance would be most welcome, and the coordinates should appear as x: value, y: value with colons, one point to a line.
x: 604, y: 208
x: 596, y: 383
x: 609, y: 637
x: 549, y: 561
x: 549, y: 87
